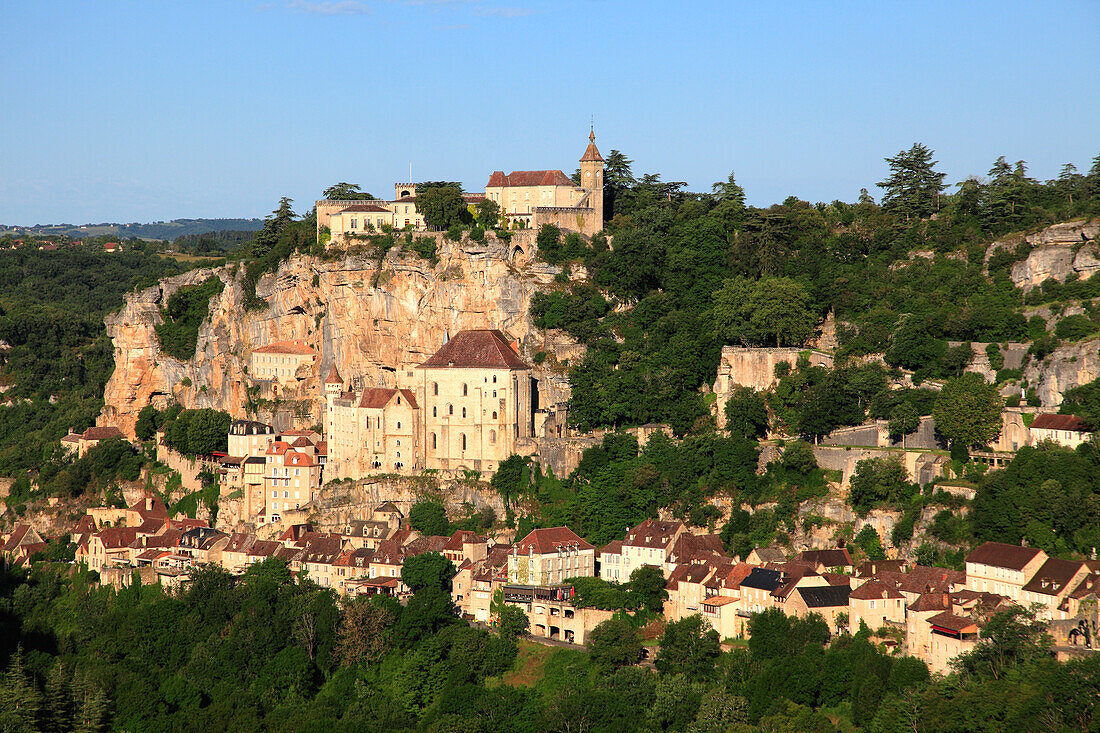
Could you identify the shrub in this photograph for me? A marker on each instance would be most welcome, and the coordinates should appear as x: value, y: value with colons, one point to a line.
x: 1074, y: 328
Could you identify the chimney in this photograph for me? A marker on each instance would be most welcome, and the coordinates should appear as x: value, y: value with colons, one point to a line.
x: 148, y: 503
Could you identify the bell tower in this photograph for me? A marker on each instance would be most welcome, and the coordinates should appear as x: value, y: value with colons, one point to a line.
x: 592, y: 178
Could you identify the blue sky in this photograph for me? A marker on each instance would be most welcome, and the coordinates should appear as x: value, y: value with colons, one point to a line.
x: 138, y: 110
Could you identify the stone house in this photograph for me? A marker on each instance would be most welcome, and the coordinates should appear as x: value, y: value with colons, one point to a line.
x: 81, y: 443
x: 291, y: 478
x: 649, y: 544
x: 995, y: 567
x: 550, y: 557
x: 874, y: 603
x: 828, y: 601
x: 610, y: 562
x: 281, y: 361
x: 1051, y: 585
x: 1067, y: 430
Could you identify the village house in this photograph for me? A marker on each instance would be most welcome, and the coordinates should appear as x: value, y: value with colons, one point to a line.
x: 23, y: 542
x: 550, y: 556
x: 874, y: 603
x: 282, y: 360
x: 649, y: 544
x: 249, y: 438
x: 476, y: 582
x: 551, y: 613
x: 828, y: 601
x: 994, y: 567
x: 1051, y: 585
x: 291, y: 478
x: 81, y: 443
x: 609, y: 562
x: 1067, y: 430
x: 825, y: 560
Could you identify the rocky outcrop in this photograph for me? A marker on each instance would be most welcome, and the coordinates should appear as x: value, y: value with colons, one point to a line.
x: 369, y: 320
x: 1057, y: 252
x: 1067, y: 367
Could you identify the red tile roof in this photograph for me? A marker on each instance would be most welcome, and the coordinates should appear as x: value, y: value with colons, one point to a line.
x: 1048, y: 421
x: 529, y: 178
x: 835, y: 558
x: 296, y: 346
x: 591, y: 153
x: 374, y: 208
x: 874, y: 590
x: 378, y: 397
x: 333, y: 376
x: 102, y: 433
x: 1053, y: 576
x: 481, y: 348
x: 1000, y: 555
x: 461, y: 537
x: 546, y: 541
x: 652, y: 533
x: 951, y: 622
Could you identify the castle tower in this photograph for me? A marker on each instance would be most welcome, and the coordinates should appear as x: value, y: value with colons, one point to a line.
x: 592, y: 178
x: 334, y: 386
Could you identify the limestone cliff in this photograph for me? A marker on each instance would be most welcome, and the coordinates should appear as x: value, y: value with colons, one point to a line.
x: 368, y: 318
x: 1057, y: 252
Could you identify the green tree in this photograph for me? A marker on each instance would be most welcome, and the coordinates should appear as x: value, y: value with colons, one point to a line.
x: 442, y: 206
x: 429, y: 518
x: 878, y: 481
x: 488, y: 214
x: 428, y: 570
x: 904, y: 420
x: 913, y: 188
x: 1009, y: 638
x: 148, y: 422
x: 647, y: 588
x: 689, y: 646
x: 614, y: 643
x: 511, y: 620
x: 868, y: 540
x: 19, y: 699
x: 346, y: 192
x: 968, y: 411
x: 747, y: 413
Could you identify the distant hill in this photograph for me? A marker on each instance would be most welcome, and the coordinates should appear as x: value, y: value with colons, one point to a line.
x: 164, y: 230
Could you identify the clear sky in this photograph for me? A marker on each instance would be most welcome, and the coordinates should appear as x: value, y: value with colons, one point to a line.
x: 142, y: 110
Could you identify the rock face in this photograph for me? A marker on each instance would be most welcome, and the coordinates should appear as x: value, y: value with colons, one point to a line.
x: 369, y: 320
x: 1069, y: 366
x: 1059, y: 250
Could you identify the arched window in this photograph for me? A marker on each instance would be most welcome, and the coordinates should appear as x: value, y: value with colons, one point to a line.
x: 450, y: 409
x: 435, y: 388
x: 464, y: 441
x: 465, y: 390
x: 494, y: 379
x: 434, y: 413
x: 492, y: 436
x: 399, y: 399
x: 433, y: 441
x: 379, y: 423
x: 494, y: 414
x: 463, y: 412
x: 398, y: 424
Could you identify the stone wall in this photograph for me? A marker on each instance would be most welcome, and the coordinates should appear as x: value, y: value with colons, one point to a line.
x: 755, y: 368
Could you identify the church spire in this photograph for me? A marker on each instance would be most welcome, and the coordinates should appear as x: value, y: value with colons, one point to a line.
x: 591, y: 154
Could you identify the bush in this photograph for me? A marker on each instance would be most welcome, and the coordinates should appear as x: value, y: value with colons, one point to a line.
x: 1074, y: 328
x: 184, y: 313
x: 996, y: 358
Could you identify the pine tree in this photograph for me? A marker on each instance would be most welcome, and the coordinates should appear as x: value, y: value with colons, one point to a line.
x: 58, y: 707
x: 92, y: 707
x: 20, y: 700
x: 913, y: 188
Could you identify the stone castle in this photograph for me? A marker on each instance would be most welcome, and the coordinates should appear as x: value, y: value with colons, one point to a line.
x: 527, y: 200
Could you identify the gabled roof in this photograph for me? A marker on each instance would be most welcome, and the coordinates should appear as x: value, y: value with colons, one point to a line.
x: 102, y: 433
x: 770, y: 554
x: 117, y: 537
x: 652, y: 533
x: 462, y: 537
x: 21, y: 535
x: 823, y: 596
x: 373, y: 208
x: 378, y: 397
x: 1053, y: 576
x: 951, y: 622
x: 324, y: 549
x: 296, y: 346
x: 546, y: 541
x: 930, y: 602
x: 498, y: 179
x: 868, y: 568
x: 477, y: 348
x: 696, y: 546
x: 834, y: 558
x: 1000, y: 555
x: 762, y: 579
x: 875, y: 590
x: 614, y: 547
x: 150, y: 506
x: 264, y: 548
x: 1047, y: 421
x: 240, y: 542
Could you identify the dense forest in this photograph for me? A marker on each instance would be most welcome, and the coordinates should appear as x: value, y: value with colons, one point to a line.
x: 260, y: 652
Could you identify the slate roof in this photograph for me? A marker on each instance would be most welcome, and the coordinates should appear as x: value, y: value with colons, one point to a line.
x: 823, y: 596
x: 1048, y: 421
x: 546, y: 541
x: 498, y: 179
x: 763, y: 579
x: 481, y: 348
x: 1001, y: 555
